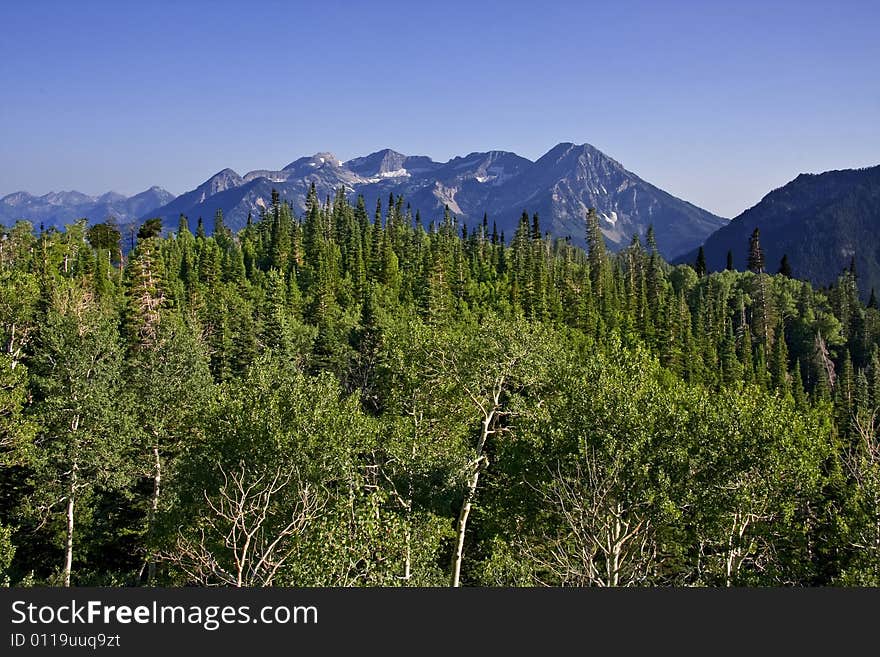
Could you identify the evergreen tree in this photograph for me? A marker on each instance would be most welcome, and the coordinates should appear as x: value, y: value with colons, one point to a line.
x: 356, y: 356
x: 597, y: 258
x: 797, y: 387
x: 779, y: 362
x: 144, y: 291
x: 700, y: 265
x: 785, y: 267
x: 756, y: 254
x: 150, y: 228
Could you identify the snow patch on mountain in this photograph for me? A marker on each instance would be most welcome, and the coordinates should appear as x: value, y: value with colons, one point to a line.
x: 611, y: 217
x: 395, y: 174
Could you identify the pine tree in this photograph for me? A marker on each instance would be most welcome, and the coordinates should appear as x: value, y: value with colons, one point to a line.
x: 367, y: 341
x: 145, y: 292
x: 746, y: 356
x: 779, y: 362
x: 756, y: 254
x: 221, y: 233
x: 729, y: 266
x: 150, y: 228
x: 700, y: 264
x: 280, y: 237
x: 276, y: 323
x: 844, y: 390
x: 785, y: 267
x: 182, y: 226
x: 596, y: 254
x: 731, y: 369
x: 106, y: 237
x: 874, y: 381
x: 797, y: 387
x: 759, y: 289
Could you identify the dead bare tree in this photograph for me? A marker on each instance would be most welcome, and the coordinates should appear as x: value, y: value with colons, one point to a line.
x: 745, y: 530
x: 823, y: 358
x: 604, y: 539
x: 242, y: 541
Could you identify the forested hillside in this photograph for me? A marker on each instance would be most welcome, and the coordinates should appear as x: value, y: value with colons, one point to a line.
x: 820, y: 223
x: 354, y: 398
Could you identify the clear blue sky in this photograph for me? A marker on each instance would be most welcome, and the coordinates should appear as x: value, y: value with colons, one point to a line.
x: 716, y: 104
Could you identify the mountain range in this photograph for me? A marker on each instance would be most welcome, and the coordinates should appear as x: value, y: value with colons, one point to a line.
x: 60, y: 208
x: 560, y: 186
x: 822, y: 222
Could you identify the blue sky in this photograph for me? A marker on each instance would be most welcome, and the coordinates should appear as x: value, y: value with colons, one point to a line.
x: 715, y: 102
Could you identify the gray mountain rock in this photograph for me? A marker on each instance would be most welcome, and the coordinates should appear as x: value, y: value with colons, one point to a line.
x: 561, y: 187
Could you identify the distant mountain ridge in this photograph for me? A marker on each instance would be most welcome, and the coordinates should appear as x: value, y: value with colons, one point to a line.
x: 560, y: 186
x: 56, y: 209
x: 822, y: 222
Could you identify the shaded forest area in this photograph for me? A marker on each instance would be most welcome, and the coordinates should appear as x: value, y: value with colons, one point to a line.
x: 352, y: 398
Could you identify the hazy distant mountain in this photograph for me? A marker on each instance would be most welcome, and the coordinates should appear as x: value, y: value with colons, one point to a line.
x: 561, y: 186
x: 60, y: 208
x: 821, y: 221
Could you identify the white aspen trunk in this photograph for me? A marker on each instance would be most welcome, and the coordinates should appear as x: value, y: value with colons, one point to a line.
x: 468, y: 501
x: 736, y: 555
x: 616, y: 549
x: 462, y: 526
x: 11, y: 348
x: 68, y: 548
x: 728, y: 580
x: 876, y: 526
x: 407, y: 562
x: 154, y: 508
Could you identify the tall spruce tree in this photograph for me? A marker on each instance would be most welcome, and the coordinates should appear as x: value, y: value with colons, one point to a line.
x: 700, y: 264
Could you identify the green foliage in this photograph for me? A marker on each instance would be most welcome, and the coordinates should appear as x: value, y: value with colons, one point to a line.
x: 408, y: 404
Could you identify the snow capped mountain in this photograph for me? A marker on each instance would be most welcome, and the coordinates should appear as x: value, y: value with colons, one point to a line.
x: 495, y: 167
x: 561, y: 186
x: 376, y: 164
x: 315, y: 162
x: 390, y: 164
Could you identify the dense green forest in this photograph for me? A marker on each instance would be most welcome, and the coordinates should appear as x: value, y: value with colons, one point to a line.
x: 354, y: 398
